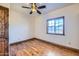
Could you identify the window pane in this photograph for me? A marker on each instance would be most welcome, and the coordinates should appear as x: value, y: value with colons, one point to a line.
x: 61, y: 21
x: 57, y: 24
x: 60, y: 27
x: 57, y: 21
x: 56, y: 29
x: 52, y: 22
x: 49, y: 29
x: 60, y: 31
x: 49, y: 23
x: 52, y: 29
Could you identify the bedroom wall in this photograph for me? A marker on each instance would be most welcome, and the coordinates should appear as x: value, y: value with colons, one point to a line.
x: 5, y: 4
x: 71, y: 38
x: 20, y: 27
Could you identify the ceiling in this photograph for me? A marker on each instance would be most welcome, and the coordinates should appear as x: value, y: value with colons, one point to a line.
x: 49, y: 7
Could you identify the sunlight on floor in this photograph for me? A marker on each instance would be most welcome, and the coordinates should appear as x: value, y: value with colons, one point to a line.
x: 50, y: 54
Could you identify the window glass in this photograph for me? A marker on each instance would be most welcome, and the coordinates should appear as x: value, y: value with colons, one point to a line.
x: 55, y: 26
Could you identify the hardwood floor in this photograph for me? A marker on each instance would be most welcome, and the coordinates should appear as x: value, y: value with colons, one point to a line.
x: 37, y: 47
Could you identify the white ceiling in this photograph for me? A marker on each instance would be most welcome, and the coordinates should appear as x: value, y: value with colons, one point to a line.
x: 49, y: 7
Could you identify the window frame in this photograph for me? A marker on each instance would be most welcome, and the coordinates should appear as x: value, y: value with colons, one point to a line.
x: 54, y: 25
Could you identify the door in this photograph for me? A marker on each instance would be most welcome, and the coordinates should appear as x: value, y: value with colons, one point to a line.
x: 4, y: 13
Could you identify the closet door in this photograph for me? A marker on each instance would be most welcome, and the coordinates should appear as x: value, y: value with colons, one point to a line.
x: 4, y: 13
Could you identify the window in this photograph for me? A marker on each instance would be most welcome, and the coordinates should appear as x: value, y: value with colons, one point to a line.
x: 55, y: 26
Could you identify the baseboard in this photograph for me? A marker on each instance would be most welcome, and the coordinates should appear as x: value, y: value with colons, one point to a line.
x: 66, y: 47
x: 21, y: 41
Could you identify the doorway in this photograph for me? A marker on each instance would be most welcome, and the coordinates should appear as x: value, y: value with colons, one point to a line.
x: 4, y: 16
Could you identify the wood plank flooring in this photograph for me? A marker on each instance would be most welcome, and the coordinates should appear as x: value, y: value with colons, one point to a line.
x: 37, y: 47
x: 3, y: 47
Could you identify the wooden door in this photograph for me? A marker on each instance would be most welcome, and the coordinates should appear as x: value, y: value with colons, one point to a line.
x: 4, y: 13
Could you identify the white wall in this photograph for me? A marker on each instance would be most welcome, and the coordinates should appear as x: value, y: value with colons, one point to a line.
x: 20, y: 27
x: 5, y: 4
x: 71, y: 37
